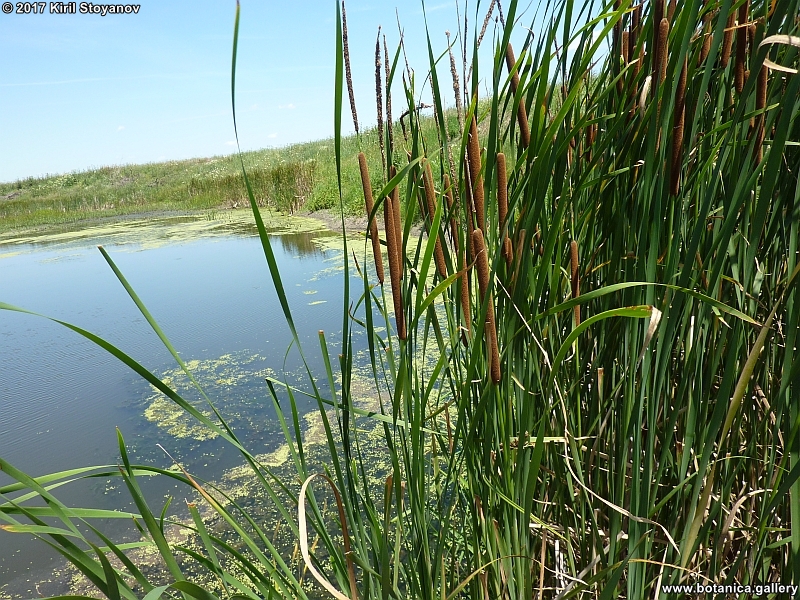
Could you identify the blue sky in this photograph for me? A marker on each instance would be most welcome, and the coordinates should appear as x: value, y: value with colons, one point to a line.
x: 83, y: 91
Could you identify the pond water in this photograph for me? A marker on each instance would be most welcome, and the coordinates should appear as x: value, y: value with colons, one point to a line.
x: 206, y: 282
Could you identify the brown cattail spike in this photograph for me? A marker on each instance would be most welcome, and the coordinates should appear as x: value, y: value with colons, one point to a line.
x: 482, y: 263
x: 658, y: 14
x: 741, y: 47
x: 502, y: 206
x: 727, y: 41
x: 395, y: 265
x: 761, y: 104
x: 373, y: 225
x: 522, y: 115
x: 661, y: 52
x: 474, y: 153
x: 430, y: 198
x: 575, y: 279
x: 679, y: 117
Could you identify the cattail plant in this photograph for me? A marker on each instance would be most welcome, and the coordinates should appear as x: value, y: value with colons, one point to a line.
x: 348, y: 74
x: 456, y: 83
x: 741, y: 47
x: 727, y: 41
x: 522, y: 116
x: 388, y: 95
x: 482, y: 264
x: 623, y: 54
x: 379, y: 96
x: 658, y: 14
x: 575, y: 279
x: 502, y: 207
x: 679, y: 118
x: 662, y: 59
x: 373, y: 225
x: 395, y: 252
x: 673, y: 5
x: 474, y: 155
x: 430, y: 198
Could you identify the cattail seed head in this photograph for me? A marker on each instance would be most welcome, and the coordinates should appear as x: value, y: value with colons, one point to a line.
x: 522, y: 115
x: 482, y: 263
x: 395, y: 254
x: 575, y: 279
x: 679, y: 117
x: 741, y: 47
x: 373, y: 225
x: 502, y: 206
x: 727, y: 41
x: 474, y: 153
x: 430, y: 198
x: 658, y: 14
x: 661, y: 53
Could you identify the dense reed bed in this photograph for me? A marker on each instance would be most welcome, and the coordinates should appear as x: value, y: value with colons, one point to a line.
x: 607, y: 406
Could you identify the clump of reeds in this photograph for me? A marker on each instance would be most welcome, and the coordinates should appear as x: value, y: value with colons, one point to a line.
x: 679, y: 118
x: 575, y: 280
x: 394, y: 247
x: 474, y: 156
x: 502, y: 207
x: 741, y: 47
x: 482, y: 264
x: 430, y: 198
x: 373, y: 225
x: 522, y: 115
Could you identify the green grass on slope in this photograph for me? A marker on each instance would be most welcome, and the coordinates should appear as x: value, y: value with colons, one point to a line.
x: 298, y: 177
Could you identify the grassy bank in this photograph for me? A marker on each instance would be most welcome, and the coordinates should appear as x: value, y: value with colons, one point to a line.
x: 297, y: 177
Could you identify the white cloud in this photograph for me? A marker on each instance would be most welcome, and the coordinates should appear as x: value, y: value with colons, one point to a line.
x: 231, y: 143
x: 272, y: 136
x: 289, y: 106
x: 121, y: 127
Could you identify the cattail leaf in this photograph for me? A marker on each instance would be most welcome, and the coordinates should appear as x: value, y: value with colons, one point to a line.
x: 786, y: 40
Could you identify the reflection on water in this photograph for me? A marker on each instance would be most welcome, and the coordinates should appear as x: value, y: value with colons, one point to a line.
x: 207, y: 284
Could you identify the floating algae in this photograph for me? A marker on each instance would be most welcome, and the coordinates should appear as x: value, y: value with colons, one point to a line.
x: 135, y: 234
x: 234, y: 382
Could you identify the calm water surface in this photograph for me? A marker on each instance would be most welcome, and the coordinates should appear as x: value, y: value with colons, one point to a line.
x: 205, y: 280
